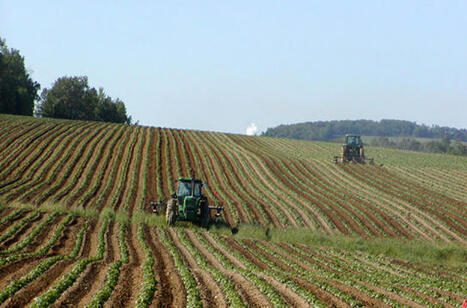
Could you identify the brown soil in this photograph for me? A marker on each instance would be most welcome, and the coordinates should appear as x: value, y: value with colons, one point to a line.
x: 178, y: 290
x: 251, y: 295
x: 162, y: 163
x: 284, y: 182
x: 151, y: 194
x: 223, y: 251
x: 27, y: 149
x: 178, y: 147
x: 203, y: 173
x: 257, y: 262
x: 248, y: 196
x: 393, y: 296
x: 58, y: 149
x: 43, y: 235
x: 377, y: 180
x: 366, y: 299
x: 453, y: 296
x: 189, y: 154
x: 257, y: 173
x: 59, y: 176
x: 37, y: 152
x: 103, y: 190
x: 125, y: 174
x: 42, y: 283
x: 111, y: 175
x: 80, y: 293
x: 129, y: 282
x: 365, y: 208
x: 430, y: 299
x: 136, y: 190
x: 326, y: 297
x: 21, y: 232
x: 16, y: 270
x: 95, y: 163
x: 211, y: 294
x: 218, y: 169
x: 166, y: 292
x: 378, y: 199
x: 69, y: 179
x: 6, y: 224
x: 173, y: 166
x: 16, y: 134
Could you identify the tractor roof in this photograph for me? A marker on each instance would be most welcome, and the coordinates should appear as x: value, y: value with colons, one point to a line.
x: 352, y: 135
x: 188, y: 179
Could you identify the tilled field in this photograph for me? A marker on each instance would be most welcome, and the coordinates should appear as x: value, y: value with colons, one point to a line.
x: 75, y: 225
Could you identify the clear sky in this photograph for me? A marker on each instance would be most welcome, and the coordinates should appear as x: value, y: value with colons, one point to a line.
x: 222, y: 65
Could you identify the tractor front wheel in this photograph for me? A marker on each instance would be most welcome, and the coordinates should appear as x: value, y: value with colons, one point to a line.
x: 170, y: 212
x: 204, y: 215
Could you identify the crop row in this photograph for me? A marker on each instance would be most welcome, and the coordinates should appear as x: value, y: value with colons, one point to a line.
x: 259, y: 180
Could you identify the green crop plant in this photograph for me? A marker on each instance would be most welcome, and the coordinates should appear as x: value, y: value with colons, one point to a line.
x: 39, y: 269
x: 193, y: 298
x: 224, y: 282
x: 19, y: 224
x: 54, y: 292
x: 149, y: 283
x: 31, y: 235
x: 249, y: 273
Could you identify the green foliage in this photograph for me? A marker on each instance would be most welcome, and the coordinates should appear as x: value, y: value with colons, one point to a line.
x: 72, y: 98
x: 449, y: 254
x: 111, y: 280
x: 193, y: 297
x: 54, y: 292
x: 17, y: 89
x: 444, y: 145
x: 328, y: 130
x: 148, y: 286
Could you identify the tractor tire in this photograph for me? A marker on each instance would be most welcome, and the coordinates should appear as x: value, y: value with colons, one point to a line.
x: 170, y: 215
x: 204, y: 215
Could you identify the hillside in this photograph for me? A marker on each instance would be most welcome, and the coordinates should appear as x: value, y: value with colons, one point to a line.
x: 58, y: 176
x: 328, y: 130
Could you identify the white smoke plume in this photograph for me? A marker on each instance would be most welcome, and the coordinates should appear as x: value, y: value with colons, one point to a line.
x: 252, y: 129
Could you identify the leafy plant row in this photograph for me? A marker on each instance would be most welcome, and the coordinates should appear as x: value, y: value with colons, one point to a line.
x: 46, y: 263
x: 54, y: 292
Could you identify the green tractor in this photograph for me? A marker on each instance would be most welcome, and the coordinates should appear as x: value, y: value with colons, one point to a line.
x: 353, y: 151
x: 188, y: 204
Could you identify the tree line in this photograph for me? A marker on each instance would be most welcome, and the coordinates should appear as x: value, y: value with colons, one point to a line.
x: 445, y: 145
x: 69, y: 97
x: 331, y: 130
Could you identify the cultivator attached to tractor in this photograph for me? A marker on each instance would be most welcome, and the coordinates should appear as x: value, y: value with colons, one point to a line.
x: 188, y: 204
x: 353, y: 151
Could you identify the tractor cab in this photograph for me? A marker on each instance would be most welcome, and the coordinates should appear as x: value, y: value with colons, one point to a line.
x: 353, y: 140
x: 189, y: 198
x: 189, y: 187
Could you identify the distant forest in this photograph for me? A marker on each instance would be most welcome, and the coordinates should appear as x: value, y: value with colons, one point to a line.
x: 331, y: 130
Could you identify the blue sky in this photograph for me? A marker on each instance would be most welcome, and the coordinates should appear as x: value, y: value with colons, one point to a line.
x: 222, y: 65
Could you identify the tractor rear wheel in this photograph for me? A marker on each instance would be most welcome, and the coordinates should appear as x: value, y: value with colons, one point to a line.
x: 170, y: 212
x: 204, y: 215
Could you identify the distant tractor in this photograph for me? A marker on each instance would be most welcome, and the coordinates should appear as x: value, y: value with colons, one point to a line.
x: 188, y: 204
x: 353, y: 151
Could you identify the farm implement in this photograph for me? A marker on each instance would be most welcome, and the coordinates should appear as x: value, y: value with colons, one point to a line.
x: 188, y: 204
x: 353, y: 151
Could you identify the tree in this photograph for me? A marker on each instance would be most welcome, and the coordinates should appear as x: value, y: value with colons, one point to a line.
x: 69, y: 98
x: 72, y: 98
x: 17, y: 90
x: 111, y: 111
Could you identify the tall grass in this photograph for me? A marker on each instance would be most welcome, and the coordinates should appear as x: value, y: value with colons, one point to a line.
x: 452, y: 254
